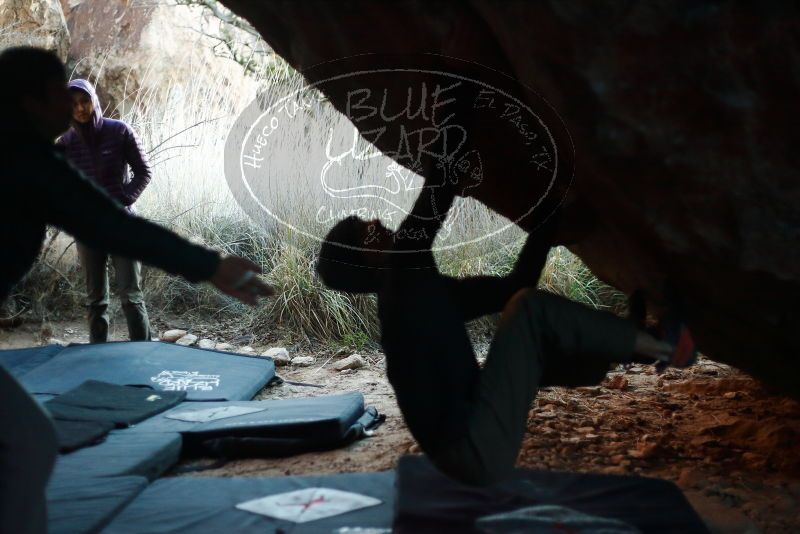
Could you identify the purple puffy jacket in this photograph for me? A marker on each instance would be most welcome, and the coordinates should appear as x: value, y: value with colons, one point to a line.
x: 103, y: 150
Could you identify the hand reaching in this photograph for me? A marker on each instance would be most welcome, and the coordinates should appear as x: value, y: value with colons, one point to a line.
x: 238, y: 278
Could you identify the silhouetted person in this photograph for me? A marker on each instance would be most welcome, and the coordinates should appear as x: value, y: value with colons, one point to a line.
x: 471, y: 421
x: 39, y: 188
x: 103, y: 149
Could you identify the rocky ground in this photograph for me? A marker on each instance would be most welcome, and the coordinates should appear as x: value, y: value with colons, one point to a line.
x: 730, y: 445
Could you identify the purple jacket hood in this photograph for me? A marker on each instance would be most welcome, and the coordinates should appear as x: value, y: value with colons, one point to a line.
x: 88, y: 88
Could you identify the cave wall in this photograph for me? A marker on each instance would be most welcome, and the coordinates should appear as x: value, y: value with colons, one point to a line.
x: 681, y: 114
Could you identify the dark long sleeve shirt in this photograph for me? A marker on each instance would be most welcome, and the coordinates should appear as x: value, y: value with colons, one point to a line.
x: 39, y: 187
x: 104, y: 157
x: 104, y: 149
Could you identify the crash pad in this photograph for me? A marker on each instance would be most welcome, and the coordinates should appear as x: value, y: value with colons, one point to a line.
x: 81, y: 505
x: 208, y: 504
x: 205, y: 375
x: 428, y: 501
x: 19, y: 362
x: 266, y: 428
x: 122, y: 453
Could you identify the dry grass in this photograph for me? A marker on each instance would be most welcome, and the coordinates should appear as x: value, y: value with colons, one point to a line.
x: 185, y: 132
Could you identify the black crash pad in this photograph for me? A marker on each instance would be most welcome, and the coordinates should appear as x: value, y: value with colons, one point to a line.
x: 428, y: 501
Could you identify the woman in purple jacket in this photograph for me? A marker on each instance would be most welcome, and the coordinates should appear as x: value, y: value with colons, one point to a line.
x: 103, y: 149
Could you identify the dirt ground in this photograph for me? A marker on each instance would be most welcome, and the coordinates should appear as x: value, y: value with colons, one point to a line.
x: 728, y: 444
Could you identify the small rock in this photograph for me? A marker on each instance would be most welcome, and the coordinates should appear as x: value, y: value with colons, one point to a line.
x: 224, y: 346
x: 56, y: 341
x: 585, y: 430
x: 617, y: 459
x: 246, y: 338
x: 279, y: 355
x: 187, y: 340
x: 614, y: 470
x: 733, y: 395
x: 755, y: 461
x: 303, y: 361
x: 171, y: 336
x: 689, y: 478
x: 246, y: 350
x: 206, y: 343
x: 617, y: 382
x: 354, y: 361
x: 645, y: 450
x: 347, y: 371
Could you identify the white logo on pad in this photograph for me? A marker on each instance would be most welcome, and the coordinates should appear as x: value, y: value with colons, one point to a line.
x: 185, y: 381
x: 308, y: 504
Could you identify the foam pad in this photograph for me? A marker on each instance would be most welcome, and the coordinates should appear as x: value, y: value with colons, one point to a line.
x: 122, y: 453
x: 86, y: 505
x: 428, y: 501
x: 19, y: 362
x: 205, y: 375
x: 287, y: 426
x: 207, y: 504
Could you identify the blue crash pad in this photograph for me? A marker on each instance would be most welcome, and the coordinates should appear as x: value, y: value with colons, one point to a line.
x: 208, y: 505
x: 205, y: 375
x: 86, y: 505
x: 281, y: 427
x: 327, y: 414
x: 122, y: 453
x: 19, y: 362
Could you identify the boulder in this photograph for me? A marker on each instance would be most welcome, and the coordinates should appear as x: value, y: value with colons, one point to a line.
x: 226, y: 347
x: 676, y: 146
x: 34, y: 23
x: 171, y: 336
x: 153, y: 47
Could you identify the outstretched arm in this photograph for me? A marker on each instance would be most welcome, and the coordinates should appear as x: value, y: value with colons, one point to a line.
x: 72, y: 203
x: 482, y: 295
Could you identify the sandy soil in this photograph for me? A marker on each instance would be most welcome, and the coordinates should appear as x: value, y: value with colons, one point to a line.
x: 730, y: 445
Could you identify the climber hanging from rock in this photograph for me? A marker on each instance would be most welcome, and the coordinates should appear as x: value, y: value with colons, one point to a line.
x: 471, y: 421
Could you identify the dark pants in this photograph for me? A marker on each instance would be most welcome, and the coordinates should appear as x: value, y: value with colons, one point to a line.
x: 471, y: 421
x: 128, y: 276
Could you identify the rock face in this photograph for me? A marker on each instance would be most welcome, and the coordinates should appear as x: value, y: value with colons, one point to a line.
x: 681, y: 116
x: 134, y: 50
x: 34, y: 23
